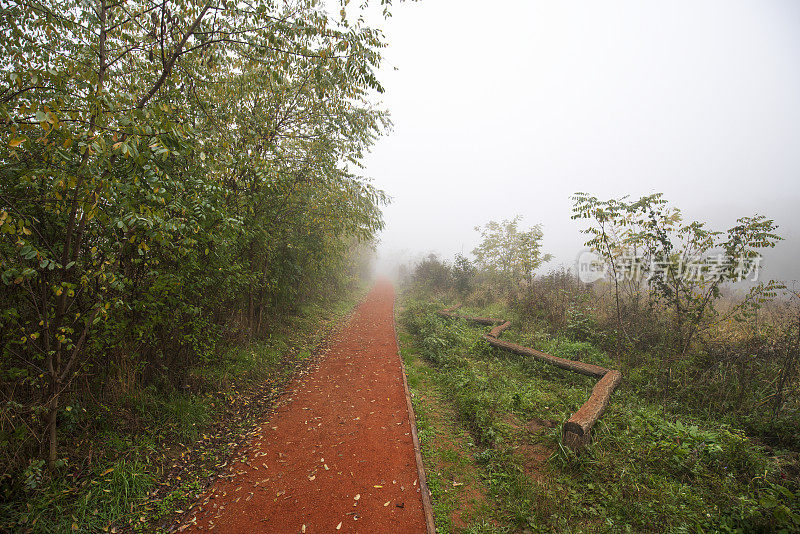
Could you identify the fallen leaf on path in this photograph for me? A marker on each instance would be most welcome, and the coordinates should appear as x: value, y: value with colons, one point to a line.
x: 339, y: 526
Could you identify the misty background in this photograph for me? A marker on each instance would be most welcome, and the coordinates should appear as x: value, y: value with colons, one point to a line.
x: 510, y: 107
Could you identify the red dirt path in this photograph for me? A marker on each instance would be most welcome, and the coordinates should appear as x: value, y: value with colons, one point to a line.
x: 337, y: 450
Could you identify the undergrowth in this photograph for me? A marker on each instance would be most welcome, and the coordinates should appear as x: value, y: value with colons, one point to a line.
x: 649, y: 468
x: 134, y: 463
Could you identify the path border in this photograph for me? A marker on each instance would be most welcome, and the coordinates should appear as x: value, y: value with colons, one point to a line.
x: 427, y: 505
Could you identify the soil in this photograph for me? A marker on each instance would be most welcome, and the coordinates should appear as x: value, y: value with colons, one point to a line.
x: 337, y: 454
x: 533, y: 452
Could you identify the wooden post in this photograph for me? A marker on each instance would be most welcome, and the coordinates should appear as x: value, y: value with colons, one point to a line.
x: 583, y: 368
x: 577, y: 431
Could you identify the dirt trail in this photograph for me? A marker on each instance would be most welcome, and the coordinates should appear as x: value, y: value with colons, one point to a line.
x: 337, y: 455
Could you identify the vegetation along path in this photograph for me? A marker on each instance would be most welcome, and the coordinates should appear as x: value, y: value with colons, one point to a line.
x: 338, y: 453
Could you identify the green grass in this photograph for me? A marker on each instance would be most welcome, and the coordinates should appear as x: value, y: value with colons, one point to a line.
x: 449, y: 450
x: 647, y: 470
x: 150, y: 452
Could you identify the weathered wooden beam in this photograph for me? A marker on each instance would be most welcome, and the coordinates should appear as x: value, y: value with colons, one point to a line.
x: 499, y: 329
x: 577, y: 431
x: 587, y: 369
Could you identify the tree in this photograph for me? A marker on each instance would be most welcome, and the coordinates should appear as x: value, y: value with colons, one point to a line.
x: 433, y: 273
x: 163, y: 163
x: 463, y: 273
x: 510, y: 253
x: 684, y: 264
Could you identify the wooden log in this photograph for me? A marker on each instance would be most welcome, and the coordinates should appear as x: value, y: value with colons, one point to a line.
x: 587, y: 369
x: 577, y: 431
x: 497, y: 330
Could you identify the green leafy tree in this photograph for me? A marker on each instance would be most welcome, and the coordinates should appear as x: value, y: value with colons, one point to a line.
x: 164, y: 163
x: 463, y: 273
x: 509, y: 253
x: 686, y: 262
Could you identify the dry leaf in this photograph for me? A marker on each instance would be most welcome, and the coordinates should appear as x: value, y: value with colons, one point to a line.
x: 339, y: 526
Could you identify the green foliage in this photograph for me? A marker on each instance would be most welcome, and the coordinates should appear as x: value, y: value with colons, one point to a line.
x: 463, y: 273
x: 169, y: 441
x: 171, y: 174
x: 433, y: 273
x: 686, y: 275
x: 509, y: 252
x: 649, y: 469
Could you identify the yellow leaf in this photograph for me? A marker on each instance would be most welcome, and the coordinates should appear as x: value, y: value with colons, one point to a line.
x: 16, y: 142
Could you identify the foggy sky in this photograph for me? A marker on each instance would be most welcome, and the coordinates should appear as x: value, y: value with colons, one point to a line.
x: 509, y: 107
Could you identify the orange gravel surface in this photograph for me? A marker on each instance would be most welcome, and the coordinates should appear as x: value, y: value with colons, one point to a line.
x: 337, y: 454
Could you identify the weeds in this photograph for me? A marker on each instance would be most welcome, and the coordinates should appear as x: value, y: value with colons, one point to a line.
x: 138, y: 460
x: 649, y: 469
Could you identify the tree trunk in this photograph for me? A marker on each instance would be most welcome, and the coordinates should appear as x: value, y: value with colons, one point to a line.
x: 52, y: 429
x: 587, y: 369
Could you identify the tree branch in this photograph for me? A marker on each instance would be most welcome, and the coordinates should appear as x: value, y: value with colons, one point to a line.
x: 168, y: 67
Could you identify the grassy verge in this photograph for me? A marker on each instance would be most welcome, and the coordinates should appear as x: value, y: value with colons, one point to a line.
x: 152, y: 452
x: 493, y: 419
